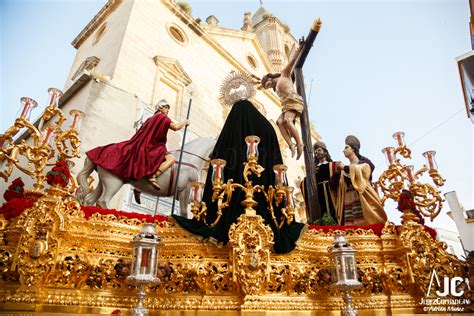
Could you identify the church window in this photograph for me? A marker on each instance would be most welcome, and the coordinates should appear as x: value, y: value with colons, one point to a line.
x: 100, y: 32
x: 89, y: 64
x: 177, y: 34
x: 287, y: 51
x: 252, y: 61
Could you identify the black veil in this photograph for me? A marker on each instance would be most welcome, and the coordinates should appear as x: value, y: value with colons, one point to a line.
x: 244, y: 120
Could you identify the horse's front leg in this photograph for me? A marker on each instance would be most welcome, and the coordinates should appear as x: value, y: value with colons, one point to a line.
x: 110, y: 186
x: 183, y: 197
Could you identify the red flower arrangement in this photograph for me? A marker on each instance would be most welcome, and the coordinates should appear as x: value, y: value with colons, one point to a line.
x: 116, y: 311
x: 15, y: 190
x: 406, y: 202
x: 59, y: 174
x: 15, y: 207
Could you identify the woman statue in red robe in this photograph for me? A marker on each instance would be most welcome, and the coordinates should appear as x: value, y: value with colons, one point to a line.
x: 145, y: 154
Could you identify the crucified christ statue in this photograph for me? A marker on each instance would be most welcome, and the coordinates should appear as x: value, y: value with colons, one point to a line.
x: 292, y: 103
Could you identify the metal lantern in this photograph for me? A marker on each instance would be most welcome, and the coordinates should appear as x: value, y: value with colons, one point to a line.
x: 144, y: 265
x: 344, y: 276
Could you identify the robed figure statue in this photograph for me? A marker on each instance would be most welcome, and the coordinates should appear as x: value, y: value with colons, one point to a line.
x: 244, y: 120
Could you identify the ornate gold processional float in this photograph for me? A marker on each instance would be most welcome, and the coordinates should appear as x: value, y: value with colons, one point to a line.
x: 59, y: 256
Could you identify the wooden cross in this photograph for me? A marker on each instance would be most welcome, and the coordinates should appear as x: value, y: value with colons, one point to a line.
x: 313, y: 209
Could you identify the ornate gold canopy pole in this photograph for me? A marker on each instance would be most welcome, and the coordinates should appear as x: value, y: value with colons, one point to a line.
x: 313, y: 207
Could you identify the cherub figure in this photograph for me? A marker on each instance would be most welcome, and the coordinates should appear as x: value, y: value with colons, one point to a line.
x: 291, y: 103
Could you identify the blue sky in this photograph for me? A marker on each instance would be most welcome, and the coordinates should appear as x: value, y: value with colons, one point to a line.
x: 377, y: 67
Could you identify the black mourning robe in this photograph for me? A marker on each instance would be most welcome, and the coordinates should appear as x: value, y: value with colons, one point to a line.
x: 244, y: 120
x: 323, y: 174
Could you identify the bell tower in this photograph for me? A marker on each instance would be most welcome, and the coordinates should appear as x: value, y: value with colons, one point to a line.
x: 274, y: 36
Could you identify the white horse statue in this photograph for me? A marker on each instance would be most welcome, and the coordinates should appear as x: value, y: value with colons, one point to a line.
x: 195, y: 155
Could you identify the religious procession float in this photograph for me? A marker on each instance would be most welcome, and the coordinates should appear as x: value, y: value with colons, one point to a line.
x: 242, y: 252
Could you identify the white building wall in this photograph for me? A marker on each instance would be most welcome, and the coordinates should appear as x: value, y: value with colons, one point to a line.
x: 464, y: 225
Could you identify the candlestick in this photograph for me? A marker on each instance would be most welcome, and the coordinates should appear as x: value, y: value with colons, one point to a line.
x: 389, y: 154
x: 47, y: 133
x: 410, y: 173
x: 28, y: 105
x: 196, y: 191
x: 252, y: 146
x: 76, y: 118
x: 430, y: 159
x: 217, y: 170
x: 289, y: 197
x: 398, y: 136
x: 280, y: 174
x: 54, y: 94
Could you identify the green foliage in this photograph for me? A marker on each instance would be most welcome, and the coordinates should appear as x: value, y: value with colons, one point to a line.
x: 286, y: 27
x: 185, y: 7
x: 326, y: 220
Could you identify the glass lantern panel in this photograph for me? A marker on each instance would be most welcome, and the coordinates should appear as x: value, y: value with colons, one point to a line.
x: 145, y: 262
x: 339, y: 269
x: 350, y: 268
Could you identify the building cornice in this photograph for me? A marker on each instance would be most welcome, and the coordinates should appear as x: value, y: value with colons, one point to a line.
x: 97, y: 20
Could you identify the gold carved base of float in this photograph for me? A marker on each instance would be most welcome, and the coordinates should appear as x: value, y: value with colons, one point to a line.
x: 54, y: 260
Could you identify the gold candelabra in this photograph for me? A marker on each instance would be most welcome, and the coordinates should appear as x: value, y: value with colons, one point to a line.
x: 35, y: 145
x: 399, y: 177
x: 222, y: 192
